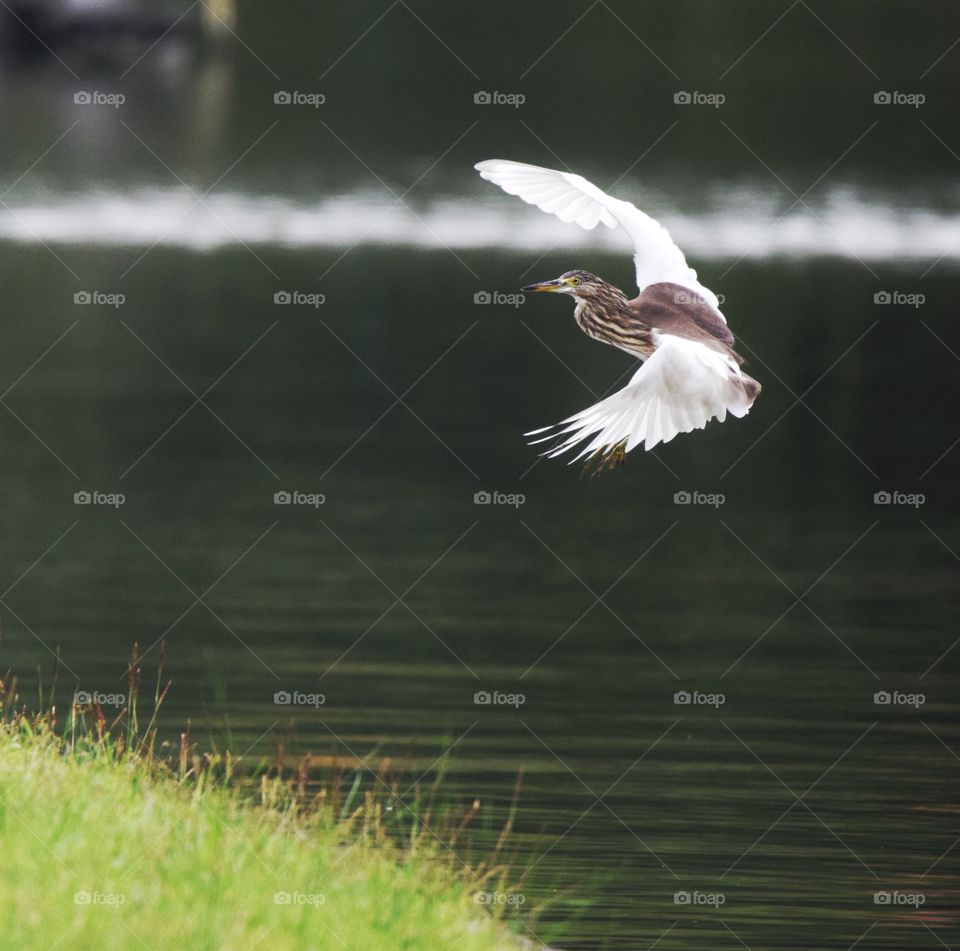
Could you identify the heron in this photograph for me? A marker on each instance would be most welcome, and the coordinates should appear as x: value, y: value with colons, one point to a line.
x: 689, y: 372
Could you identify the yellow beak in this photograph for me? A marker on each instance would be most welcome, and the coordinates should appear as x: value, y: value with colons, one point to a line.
x: 547, y: 286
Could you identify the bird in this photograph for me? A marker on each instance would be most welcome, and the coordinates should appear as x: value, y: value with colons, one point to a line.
x: 689, y: 372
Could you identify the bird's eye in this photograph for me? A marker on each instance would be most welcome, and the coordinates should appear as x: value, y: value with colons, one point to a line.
x: 574, y: 280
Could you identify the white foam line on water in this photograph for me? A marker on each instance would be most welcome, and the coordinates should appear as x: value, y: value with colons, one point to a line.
x: 844, y: 225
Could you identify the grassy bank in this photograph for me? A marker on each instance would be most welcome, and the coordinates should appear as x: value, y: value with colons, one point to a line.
x: 107, y: 847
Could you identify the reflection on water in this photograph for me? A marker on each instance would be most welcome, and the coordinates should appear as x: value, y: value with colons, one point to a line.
x: 735, y: 223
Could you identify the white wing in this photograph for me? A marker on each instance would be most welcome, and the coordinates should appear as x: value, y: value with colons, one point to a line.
x: 572, y: 198
x: 681, y: 387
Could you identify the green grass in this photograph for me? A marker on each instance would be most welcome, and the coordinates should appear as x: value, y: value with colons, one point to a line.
x: 106, y: 847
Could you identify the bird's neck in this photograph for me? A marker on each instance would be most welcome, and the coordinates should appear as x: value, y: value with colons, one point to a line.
x: 612, y: 299
x: 611, y: 321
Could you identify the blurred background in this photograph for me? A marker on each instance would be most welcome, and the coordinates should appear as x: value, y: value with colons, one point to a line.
x: 264, y: 376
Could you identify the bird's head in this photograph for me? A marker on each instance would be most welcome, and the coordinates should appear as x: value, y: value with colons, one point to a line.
x: 581, y: 285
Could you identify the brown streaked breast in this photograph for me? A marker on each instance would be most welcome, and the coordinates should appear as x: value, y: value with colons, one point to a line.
x: 617, y: 325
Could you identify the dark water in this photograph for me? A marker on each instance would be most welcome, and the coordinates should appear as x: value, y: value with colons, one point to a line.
x: 783, y: 806
x: 502, y: 599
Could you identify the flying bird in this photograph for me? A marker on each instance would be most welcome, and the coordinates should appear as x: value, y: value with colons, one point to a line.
x: 689, y: 371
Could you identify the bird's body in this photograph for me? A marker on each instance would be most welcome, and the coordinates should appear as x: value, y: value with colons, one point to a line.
x: 634, y: 325
x: 690, y: 372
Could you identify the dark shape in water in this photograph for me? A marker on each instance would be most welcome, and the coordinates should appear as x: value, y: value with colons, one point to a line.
x: 32, y: 27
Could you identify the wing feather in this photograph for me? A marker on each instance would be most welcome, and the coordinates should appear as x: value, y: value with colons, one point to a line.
x: 572, y: 198
x: 681, y: 387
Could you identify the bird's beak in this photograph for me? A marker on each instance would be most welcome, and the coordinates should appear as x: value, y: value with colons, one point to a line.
x: 554, y: 286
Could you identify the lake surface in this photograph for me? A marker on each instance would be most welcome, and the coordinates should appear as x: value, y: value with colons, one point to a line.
x: 781, y: 805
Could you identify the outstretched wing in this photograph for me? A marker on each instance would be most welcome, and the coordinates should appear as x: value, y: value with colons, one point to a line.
x: 572, y: 198
x: 681, y: 387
